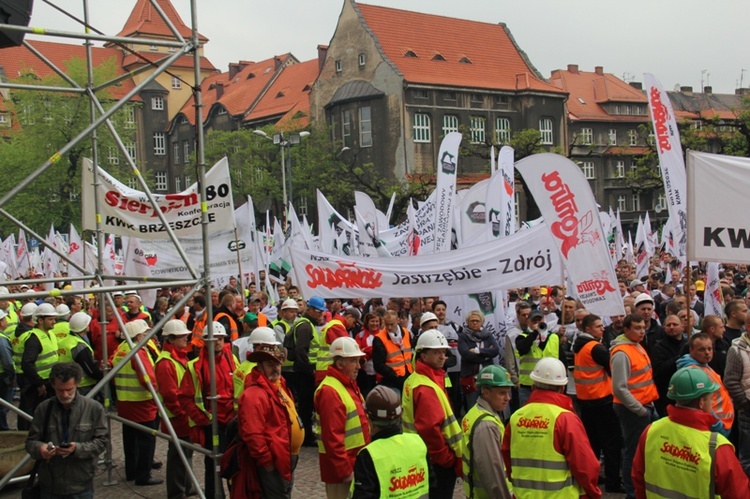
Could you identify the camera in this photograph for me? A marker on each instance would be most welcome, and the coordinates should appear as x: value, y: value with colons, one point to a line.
x: 542, y: 326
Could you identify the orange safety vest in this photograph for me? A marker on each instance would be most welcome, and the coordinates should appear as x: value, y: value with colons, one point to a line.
x: 397, y: 358
x: 233, y: 331
x: 262, y: 320
x: 722, y: 403
x: 641, y: 381
x: 197, y: 339
x: 592, y: 381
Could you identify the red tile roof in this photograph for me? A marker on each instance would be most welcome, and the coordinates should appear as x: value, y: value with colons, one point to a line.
x: 595, y: 89
x: 145, y: 21
x: 698, y: 105
x: 289, y: 92
x: 185, y: 61
x: 496, y: 62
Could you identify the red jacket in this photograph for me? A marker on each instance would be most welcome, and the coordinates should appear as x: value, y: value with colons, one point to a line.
x: 570, y: 441
x: 337, y: 463
x: 364, y: 340
x: 143, y: 411
x: 166, y: 376
x: 95, y: 333
x: 264, y: 423
x: 428, y: 417
x: 731, y: 480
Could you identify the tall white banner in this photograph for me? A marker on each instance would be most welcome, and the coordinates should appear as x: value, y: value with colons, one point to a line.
x: 137, y: 263
x: 712, y: 298
x: 447, y: 169
x: 528, y: 258
x: 670, y: 157
x: 128, y: 212
x: 570, y: 212
x: 506, y: 170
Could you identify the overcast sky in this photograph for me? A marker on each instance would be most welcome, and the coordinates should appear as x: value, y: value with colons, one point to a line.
x: 675, y: 40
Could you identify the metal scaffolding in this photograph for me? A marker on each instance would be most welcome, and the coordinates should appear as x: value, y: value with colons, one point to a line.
x: 101, y: 117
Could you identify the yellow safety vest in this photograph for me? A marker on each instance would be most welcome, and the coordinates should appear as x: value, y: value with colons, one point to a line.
x: 528, y: 362
x: 240, y: 375
x: 400, y: 463
x: 312, y: 355
x: 324, y: 349
x: 538, y: 470
x: 450, y: 428
x: 198, y: 396
x: 12, y: 319
x: 47, y: 358
x: 179, y: 369
x: 61, y: 330
x: 127, y: 387
x: 678, y: 460
x: 353, y: 433
x: 287, y: 329
x: 67, y: 349
x: 473, y: 487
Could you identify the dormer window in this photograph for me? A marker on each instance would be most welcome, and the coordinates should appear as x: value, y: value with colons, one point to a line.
x: 438, y: 57
x: 464, y: 60
x: 410, y: 53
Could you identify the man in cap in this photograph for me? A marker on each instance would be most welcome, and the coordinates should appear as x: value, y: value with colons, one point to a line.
x: 305, y: 355
x: 644, y: 306
x: 341, y: 426
x: 392, y: 351
x: 135, y: 402
x: 483, y: 430
x: 533, y: 344
x: 7, y: 371
x: 267, y: 423
x: 428, y: 412
x: 171, y: 366
x: 75, y: 347
x: 338, y: 327
x: 394, y: 463
x: 62, y: 326
x: 545, y: 446
x: 679, y: 456
x: 195, y: 389
x: 638, y: 286
x: 135, y: 309
x: 282, y: 326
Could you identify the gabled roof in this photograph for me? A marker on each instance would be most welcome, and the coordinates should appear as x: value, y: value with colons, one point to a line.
x: 290, y: 91
x: 589, y: 90
x: 693, y: 106
x: 186, y: 61
x: 145, y: 21
x: 428, y: 49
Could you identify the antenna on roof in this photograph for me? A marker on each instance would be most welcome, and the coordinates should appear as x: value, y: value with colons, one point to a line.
x: 703, y: 72
x: 742, y: 75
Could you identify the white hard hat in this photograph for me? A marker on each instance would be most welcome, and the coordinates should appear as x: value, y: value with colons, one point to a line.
x: 3, y: 315
x: 426, y: 317
x: 432, y: 338
x: 4, y: 290
x: 263, y: 335
x: 219, y: 330
x: 62, y: 311
x: 136, y: 327
x: 290, y: 303
x: 550, y: 371
x: 131, y: 292
x: 45, y: 310
x: 643, y: 298
x: 345, y: 346
x: 79, y: 321
x: 175, y: 327
x: 28, y: 310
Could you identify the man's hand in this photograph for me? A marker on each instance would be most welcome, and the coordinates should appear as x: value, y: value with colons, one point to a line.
x: 561, y: 331
x: 66, y: 451
x: 41, y: 390
x: 47, y: 453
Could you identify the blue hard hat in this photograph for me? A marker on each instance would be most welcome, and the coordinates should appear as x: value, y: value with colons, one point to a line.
x: 317, y: 302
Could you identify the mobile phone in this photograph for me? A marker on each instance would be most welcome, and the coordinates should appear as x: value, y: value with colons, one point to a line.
x: 65, y: 445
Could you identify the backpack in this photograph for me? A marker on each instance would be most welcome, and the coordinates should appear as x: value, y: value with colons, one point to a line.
x: 229, y: 463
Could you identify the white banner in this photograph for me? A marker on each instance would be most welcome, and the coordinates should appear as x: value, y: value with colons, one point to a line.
x: 506, y: 170
x: 569, y: 209
x: 138, y: 263
x: 472, y: 210
x: 670, y: 157
x: 528, y: 258
x: 718, y: 228
x: 712, y: 297
x: 447, y: 169
x: 128, y: 212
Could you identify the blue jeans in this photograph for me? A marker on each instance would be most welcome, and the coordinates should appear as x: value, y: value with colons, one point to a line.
x: 743, y: 447
x: 89, y: 494
x: 632, y: 425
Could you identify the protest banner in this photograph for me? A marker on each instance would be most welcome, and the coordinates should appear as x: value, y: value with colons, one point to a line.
x: 445, y: 190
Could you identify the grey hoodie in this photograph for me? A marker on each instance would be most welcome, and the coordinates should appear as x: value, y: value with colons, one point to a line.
x: 620, y: 374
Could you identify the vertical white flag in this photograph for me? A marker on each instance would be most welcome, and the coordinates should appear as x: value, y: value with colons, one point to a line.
x: 75, y: 253
x: 713, y: 297
x: 23, y: 260
x: 135, y: 264
x: 447, y: 169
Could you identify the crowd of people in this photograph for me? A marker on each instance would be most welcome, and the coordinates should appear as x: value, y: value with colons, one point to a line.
x: 399, y: 400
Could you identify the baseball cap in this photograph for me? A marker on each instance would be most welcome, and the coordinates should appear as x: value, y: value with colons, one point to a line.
x: 636, y: 282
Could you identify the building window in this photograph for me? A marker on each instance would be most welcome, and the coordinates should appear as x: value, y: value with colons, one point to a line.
x: 186, y: 149
x: 651, y: 138
x: 176, y: 153
x: 628, y: 109
x: 617, y: 109
x: 178, y: 184
x: 501, y: 100
x: 502, y: 130
x: 612, y: 137
x: 161, y: 181
x: 632, y: 137
x: 365, y: 127
x: 4, y: 120
x: 346, y: 127
x: 620, y: 169
x: 449, y: 96
x: 362, y: 60
x: 588, y: 169
x: 636, y: 202
x: 587, y: 136
x: 450, y: 123
x: 621, y: 203
x: 477, y: 98
x: 157, y: 103
x: 476, y: 129
x: 661, y: 201
x: 112, y: 156
x: 160, y: 143
x: 301, y: 206
x: 130, y: 117
x: 338, y: 66
x: 176, y: 83
x: 133, y: 183
x: 130, y: 147
x: 421, y: 127
x: 545, y: 128
x: 188, y: 183
x: 420, y: 93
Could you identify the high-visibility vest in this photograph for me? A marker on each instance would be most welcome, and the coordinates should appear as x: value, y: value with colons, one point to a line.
x: 353, y: 433
x: 47, y: 358
x: 641, y: 381
x: 61, y: 330
x: 68, y: 348
x: 153, y: 349
x: 239, y: 376
x: 12, y: 319
x: 287, y: 329
x: 127, y: 385
x: 678, y: 460
x: 262, y: 320
x: 198, y: 395
x: 18, y: 343
x: 722, y: 402
x: 312, y: 355
x: 400, y: 464
x: 179, y: 369
x: 397, y: 358
x: 324, y: 349
x: 7, y: 337
x: 528, y: 362
x: 233, y: 331
x: 538, y: 470
x: 592, y: 381
x: 473, y: 487
x: 450, y: 428
x: 197, y: 340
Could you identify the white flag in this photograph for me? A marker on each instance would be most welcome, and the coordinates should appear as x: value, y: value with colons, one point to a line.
x: 447, y: 169
x: 135, y: 264
x: 713, y: 297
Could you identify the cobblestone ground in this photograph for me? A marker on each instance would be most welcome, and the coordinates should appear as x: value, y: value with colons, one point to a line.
x: 307, y: 484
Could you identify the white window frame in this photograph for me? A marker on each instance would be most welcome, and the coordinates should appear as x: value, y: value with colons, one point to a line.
x: 188, y: 183
x: 622, y: 203
x: 661, y: 200
x: 612, y: 137
x: 160, y: 143
x: 338, y: 67
x: 178, y: 184
x: 361, y: 59
x: 4, y: 119
x: 547, y: 131
x: 502, y: 130
x: 346, y: 127
x: 588, y: 169
x: 157, y: 103
x: 176, y: 153
x: 421, y: 129
x: 130, y: 117
x: 132, y: 150
x: 112, y: 155
x: 186, y: 150
x: 620, y: 169
x: 301, y: 206
x: 365, y: 126
x: 477, y: 127
x: 133, y: 183
x: 176, y: 83
x: 633, y: 137
x: 450, y: 123
x: 160, y: 181
x: 636, y: 202
x: 587, y: 136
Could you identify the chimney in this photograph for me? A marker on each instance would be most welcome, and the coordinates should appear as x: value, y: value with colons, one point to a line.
x: 234, y: 68
x: 708, y: 90
x: 742, y: 91
x: 686, y: 90
x: 636, y: 85
x: 599, y: 70
x: 573, y: 68
x: 322, y: 53
x: 277, y: 61
x: 219, y: 90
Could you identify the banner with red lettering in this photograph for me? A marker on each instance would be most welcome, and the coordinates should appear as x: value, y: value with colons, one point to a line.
x: 527, y: 258
x: 570, y: 212
x: 670, y: 158
x: 128, y: 212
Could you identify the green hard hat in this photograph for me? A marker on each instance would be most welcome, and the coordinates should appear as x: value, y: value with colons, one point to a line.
x: 689, y: 383
x: 493, y: 376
